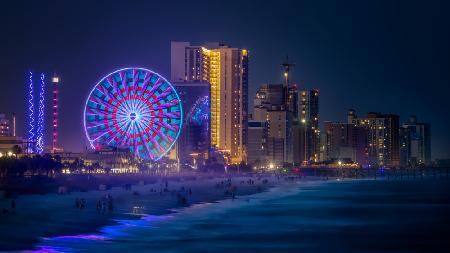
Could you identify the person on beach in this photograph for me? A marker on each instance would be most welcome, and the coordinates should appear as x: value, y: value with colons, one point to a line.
x: 181, y: 196
x: 103, y: 208
x: 110, y: 203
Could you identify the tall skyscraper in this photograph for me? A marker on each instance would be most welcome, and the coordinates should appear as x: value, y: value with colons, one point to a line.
x: 308, y: 116
x: 293, y: 122
x: 226, y: 69
x: 269, y: 105
x: 415, y: 143
x: 382, y: 139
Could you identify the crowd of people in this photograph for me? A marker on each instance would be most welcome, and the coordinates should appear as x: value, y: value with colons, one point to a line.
x: 104, y: 204
x: 181, y: 193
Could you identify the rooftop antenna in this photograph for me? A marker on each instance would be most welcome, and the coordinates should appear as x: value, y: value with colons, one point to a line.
x: 287, y: 66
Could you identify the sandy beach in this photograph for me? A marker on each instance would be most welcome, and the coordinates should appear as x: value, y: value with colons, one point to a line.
x: 39, y: 216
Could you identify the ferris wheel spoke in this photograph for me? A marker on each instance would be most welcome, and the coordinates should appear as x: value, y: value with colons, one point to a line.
x: 147, y: 82
x: 154, y: 88
x: 103, y: 96
x: 95, y: 112
x: 135, y: 104
x: 157, y: 131
x: 116, y: 92
x: 127, y: 107
x: 163, y: 106
x: 101, y: 103
x: 162, y: 135
x: 147, y: 148
x: 141, y: 106
x: 122, y: 110
x: 163, y: 95
x: 172, y: 115
x: 111, y: 96
x: 99, y: 124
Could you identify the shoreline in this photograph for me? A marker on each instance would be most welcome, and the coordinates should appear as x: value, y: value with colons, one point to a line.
x: 122, y: 228
x: 52, y: 215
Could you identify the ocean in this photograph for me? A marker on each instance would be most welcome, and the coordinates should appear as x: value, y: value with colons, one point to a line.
x: 316, y: 216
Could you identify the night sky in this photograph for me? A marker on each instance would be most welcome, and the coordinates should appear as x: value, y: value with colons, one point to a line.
x: 387, y: 56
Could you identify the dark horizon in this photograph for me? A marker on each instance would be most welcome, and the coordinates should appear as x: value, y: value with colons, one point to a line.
x: 386, y: 56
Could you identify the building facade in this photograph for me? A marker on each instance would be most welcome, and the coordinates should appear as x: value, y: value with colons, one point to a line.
x: 308, y: 116
x: 269, y: 107
x: 5, y: 126
x: 226, y: 70
x: 193, y: 141
x: 415, y: 143
x: 382, y: 137
x: 345, y: 141
x: 257, y: 142
x: 278, y: 127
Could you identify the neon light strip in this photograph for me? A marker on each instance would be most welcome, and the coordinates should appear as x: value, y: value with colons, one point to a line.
x: 30, y: 115
x: 40, y: 129
x: 55, y: 114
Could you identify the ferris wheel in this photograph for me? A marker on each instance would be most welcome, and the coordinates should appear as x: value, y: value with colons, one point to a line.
x: 134, y: 108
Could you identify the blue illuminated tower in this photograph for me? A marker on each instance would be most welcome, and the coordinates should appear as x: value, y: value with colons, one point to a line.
x: 35, y: 141
x: 31, y: 135
x: 40, y: 126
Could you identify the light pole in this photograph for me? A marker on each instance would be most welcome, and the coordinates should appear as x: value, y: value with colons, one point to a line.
x: 304, y: 139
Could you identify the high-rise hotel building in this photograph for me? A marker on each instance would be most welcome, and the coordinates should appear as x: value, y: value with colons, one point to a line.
x: 226, y: 70
x: 383, y: 137
x: 415, y: 143
x: 308, y: 116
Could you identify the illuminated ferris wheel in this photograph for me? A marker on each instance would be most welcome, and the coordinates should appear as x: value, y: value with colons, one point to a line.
x: 134, y: 108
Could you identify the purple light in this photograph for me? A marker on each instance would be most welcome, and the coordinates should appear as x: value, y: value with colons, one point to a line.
x: 81, y: 237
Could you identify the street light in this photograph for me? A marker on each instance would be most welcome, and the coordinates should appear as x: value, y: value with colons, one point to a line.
x: 304, y: 140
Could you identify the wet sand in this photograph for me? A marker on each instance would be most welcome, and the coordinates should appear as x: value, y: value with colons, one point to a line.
x: 38, y: 216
